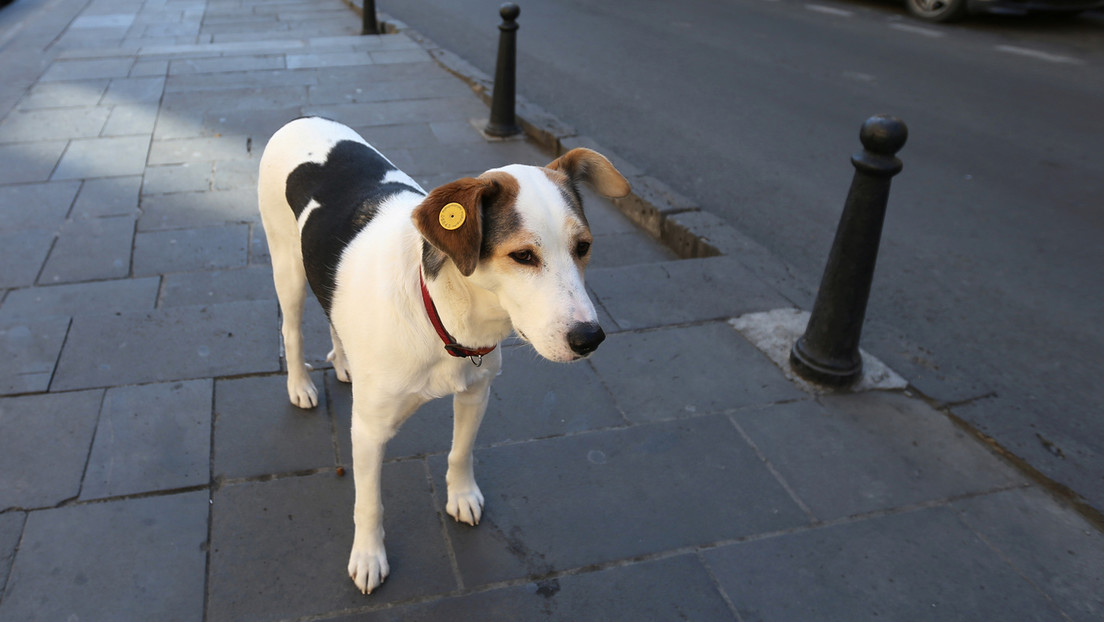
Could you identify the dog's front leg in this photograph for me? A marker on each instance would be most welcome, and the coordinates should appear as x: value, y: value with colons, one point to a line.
x: 465, y: 501
x: 374, y: 423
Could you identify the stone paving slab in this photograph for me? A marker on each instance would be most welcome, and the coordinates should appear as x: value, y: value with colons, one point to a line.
x: 35, y: 206
x: 30, y: 162
x: 921, y: 565
x: 64, y: 422
x: 426, y: 163
x: 259, y: 432
x: 59, y: 124
x: 126, y: 120
x: 22, y: 255
x: 540, y: 515
x: 265, y: 97
x: 182, y: 250
x: 149, y: 68
x: 112, y: 156
x: 30, y: 350
x: 69, y: 94
x: 675, y: 588
x: 673, y: 372
x: 97, y: 297
x: 1051, y: 547
x: 142, y: 90
x: 855, y: 454
x: 168, y: 344
x: 90, y: 249
x: 280, y: 549
x: 11, y: 530
x: 205, y: 149
x: 173, y: 178
x: 337, y: 92
x: 258, y: 80
x: 187, y: 210
x: 109, y: 196
x: 151, y: 437
x: 217, y: 286
x: 137, y: 559
x: 393, y: 112
x: 650, y: 295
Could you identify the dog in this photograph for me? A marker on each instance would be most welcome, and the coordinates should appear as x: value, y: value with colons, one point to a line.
x: 420, y: 288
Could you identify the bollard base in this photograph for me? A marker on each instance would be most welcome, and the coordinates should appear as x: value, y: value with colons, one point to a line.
x: 499, y: 130
x: 813, y: 370
x: 480, y: 125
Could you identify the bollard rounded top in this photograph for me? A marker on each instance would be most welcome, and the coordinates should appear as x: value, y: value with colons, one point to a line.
x: 509, y: 11
x: 883, y: 134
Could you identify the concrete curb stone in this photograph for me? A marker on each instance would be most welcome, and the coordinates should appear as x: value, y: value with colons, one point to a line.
x: 650, y: 204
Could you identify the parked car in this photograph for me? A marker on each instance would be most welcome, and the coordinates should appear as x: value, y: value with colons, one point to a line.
x: 954, y: 10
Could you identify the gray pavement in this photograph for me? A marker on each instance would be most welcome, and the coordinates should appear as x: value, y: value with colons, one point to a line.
x: 151, y: 467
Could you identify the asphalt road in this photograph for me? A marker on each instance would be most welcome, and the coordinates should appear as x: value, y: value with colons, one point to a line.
x: 990, y: 286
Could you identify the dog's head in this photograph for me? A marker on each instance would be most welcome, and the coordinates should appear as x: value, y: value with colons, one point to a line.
x: 520, y: 232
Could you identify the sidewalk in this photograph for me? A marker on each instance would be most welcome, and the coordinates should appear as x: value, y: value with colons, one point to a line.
x: 151, y: 467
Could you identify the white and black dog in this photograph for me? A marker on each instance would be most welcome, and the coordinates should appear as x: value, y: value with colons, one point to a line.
x: 406, y: 277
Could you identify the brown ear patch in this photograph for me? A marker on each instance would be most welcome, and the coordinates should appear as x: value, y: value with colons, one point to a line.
x: 587, y: 165
x: 451, y: 217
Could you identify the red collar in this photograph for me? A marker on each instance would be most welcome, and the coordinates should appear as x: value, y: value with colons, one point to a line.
x: 451, y: 346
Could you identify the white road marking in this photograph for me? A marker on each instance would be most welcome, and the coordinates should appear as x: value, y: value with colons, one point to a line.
x: 829, y: 10
x: 1040, y: 55
x: 918, y: 30
x: 859, y: 76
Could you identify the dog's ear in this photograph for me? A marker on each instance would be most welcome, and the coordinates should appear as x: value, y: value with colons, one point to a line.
x: 589, y: 166
x: 451, y: 219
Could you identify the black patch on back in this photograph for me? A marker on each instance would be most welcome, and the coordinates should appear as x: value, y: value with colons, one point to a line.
x: 348, y: 188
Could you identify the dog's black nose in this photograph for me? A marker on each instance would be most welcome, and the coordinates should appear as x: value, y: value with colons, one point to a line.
x: 585, y: 338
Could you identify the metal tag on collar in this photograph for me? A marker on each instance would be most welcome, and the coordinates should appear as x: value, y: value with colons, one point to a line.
x: 460, y: 351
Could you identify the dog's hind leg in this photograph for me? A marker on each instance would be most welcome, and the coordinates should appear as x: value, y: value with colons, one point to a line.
x: 290, y: 281
x: 291, y: 289
x: 288, y: 273
x: 337, y: 357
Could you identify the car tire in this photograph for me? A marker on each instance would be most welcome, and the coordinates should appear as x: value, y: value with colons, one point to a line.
x: 941, y: 11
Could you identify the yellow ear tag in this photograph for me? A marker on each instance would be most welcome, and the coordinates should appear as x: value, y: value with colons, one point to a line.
x: 452, y: 216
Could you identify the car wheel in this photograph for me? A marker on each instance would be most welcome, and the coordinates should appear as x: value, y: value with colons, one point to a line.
x: 938, y: 10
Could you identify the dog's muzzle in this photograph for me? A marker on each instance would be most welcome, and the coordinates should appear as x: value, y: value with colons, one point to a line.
x: 585, y: 338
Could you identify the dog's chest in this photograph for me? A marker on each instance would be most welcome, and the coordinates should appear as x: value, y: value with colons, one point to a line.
x: 456, y: 375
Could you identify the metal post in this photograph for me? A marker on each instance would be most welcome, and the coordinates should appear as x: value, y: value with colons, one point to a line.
x: 503, y: 123
x: 828, y: 352
x: 371, y: 26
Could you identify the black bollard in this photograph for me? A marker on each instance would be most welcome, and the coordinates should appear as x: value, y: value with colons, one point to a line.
x: 370, y: 25
x: 828, y: 352
x: 503, y: 122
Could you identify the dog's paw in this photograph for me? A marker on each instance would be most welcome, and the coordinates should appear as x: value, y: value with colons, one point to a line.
x: 368, y: 568
x: 340, y: 366
x: 466, y: 506
x: 302, y: 393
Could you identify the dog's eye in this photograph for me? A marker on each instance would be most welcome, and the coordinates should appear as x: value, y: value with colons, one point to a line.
x: 582, y: 248
x: 524, y: 257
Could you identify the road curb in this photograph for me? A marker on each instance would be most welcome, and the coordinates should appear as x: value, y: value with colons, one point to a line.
x: 669, y: 217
